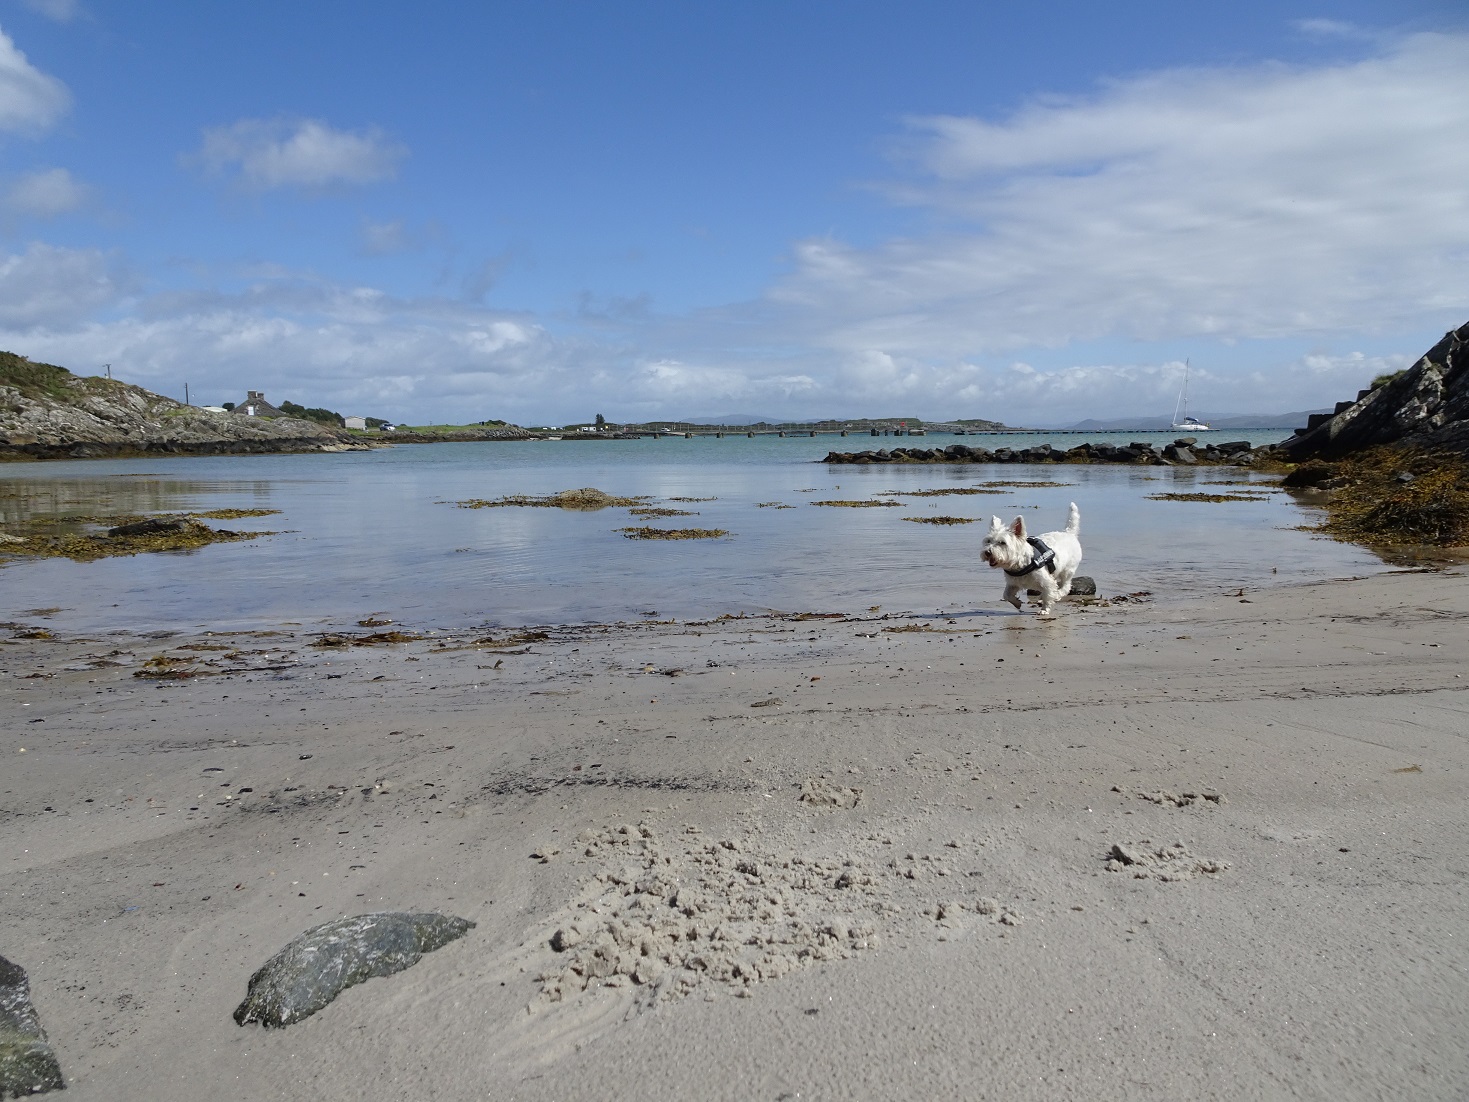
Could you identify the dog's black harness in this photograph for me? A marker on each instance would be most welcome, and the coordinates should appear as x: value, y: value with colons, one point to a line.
x: 1040, y: 555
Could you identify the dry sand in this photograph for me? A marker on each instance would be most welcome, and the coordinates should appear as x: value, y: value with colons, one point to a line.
x: 1214, y: 849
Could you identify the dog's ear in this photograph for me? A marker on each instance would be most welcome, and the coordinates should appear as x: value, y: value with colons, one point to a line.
x: 995, y: 524
x: 1018, y: 528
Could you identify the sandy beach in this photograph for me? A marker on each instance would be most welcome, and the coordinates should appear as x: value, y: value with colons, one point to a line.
x: 1148, y: 849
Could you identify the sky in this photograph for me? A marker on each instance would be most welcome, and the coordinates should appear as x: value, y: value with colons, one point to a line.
x: 538, y: 212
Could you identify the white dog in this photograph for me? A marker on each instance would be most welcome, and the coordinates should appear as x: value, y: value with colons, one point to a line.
x: 1046, y: 563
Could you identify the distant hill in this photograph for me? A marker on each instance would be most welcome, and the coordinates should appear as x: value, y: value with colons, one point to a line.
x: 743, y: 419
x: 739, y: 419
x: 1163, y: 424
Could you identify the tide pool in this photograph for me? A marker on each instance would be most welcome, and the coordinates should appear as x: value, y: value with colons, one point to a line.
x: 378, y: 534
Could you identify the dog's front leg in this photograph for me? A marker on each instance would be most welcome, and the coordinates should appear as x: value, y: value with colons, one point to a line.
x: 1012, y: 594
x: 1048, y: 595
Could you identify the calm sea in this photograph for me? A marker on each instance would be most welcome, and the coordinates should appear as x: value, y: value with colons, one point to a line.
x: 377, y: 533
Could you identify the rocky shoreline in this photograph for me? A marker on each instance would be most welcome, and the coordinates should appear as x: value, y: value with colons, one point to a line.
x: 46, y: 412
x: 1182, y: 452
x: 1425, y: 406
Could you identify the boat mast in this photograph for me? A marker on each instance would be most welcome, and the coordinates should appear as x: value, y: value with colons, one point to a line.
x: 1182, y: 403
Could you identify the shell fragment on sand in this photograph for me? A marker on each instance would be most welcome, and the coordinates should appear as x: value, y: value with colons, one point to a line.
x: 326, y: 960
x: 27, y: 1064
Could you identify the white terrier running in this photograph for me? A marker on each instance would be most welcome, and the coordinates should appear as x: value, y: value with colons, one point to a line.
x: 1046, y: 563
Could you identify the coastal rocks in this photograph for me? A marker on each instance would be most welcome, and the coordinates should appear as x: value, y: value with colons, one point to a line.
x: 27, y: 1064
x: 46, y: 412
x: 1426, y: 406
x: 323, y: 962
x: 1182, y: 452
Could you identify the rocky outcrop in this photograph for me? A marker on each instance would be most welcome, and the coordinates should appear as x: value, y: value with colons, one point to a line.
x: 46, y: 412
x: 1185, y: 451
x: 1426, y: 406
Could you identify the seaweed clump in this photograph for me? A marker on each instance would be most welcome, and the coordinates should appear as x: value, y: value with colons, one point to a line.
x: 946, y: 491
x: 1394, y: 496
x: 941, y: 520
x: 154, y: 534
x: 587, y: 499
x: 650, y: 533
x: 329, y: 640
x: 1207, y: 497
x: 234, y: 514
x: 862, y: 504
x: 514, y: 639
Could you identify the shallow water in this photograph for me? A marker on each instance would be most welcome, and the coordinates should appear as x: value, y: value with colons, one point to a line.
x: 378, y: 533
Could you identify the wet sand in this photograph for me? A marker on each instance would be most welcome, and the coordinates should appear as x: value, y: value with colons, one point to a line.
x: 1151, y: 850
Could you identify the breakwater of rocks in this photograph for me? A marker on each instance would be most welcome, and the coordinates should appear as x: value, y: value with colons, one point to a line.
x: 1185, y: 451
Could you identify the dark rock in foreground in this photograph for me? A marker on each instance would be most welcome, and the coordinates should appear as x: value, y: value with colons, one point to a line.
x: 1426, y: 406
x: 27, y: 1064
x: 150, y: 527
x: 326, y: 960
x: 1081, y: 586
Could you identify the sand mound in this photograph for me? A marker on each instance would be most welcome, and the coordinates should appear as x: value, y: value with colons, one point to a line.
x: 823, y: 793
x: 668, y: 918
x: 1168, y: 863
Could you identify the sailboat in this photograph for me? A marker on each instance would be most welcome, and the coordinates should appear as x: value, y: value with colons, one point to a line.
x: 1181, y: 419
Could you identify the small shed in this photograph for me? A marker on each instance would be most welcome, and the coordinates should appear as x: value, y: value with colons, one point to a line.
x: 355, y: 422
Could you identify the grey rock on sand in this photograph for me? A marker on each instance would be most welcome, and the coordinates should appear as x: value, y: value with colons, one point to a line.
x: 326, y: 960
x: 27, y: 1064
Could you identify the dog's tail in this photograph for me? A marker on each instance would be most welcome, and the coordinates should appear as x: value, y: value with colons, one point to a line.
x: 1073, y: 520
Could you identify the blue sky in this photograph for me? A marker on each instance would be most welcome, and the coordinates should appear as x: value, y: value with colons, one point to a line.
x: 542, y: 211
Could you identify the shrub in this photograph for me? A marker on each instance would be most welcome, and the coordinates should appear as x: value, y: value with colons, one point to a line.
x: 321, y: 416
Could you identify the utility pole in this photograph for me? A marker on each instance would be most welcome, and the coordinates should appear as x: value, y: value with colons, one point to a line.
x: 108, y: 368
x: 186, y: 394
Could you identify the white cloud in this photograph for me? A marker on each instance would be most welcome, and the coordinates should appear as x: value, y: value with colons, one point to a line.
x: 63, y: 11
x: 1332, y: 28
x: 441, y: 358
x: 317, y: 343
x: 385, y: 238
x: 273, y: 153
x: 30, y: 100
x: 45, y: 194
x: 1232, y: 204
x: 48, y: 287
